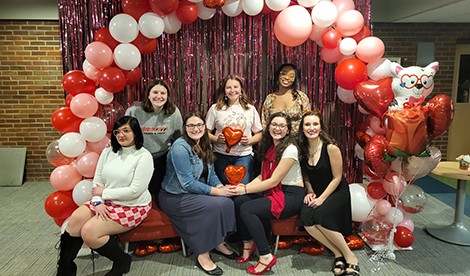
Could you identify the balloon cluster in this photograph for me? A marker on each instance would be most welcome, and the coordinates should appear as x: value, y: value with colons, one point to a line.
x: 394, y: 144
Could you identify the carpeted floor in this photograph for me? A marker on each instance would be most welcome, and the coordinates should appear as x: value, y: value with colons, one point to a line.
x: 29, y: 237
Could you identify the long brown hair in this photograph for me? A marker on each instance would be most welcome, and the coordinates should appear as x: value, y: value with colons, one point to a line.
x: 203, y: 148
x: 302, y: 139
x: 222, y: 101
x: 267, y: 139
x: 169, y: 106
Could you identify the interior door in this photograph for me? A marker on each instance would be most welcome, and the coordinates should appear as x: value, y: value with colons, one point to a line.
x: 459, y: 137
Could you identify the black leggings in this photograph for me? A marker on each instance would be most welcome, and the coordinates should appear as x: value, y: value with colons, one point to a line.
x: 254, y: 209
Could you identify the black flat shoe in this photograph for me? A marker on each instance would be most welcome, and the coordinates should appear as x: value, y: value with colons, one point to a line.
x: 232, y: 256
x: 216, y: 271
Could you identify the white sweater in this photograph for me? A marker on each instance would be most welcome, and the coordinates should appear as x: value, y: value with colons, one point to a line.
x: 125, y: 176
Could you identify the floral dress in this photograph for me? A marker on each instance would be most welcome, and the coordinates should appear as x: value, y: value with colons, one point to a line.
x: 301, y: 105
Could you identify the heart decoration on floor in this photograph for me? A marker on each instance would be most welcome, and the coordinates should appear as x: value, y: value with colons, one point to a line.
x: 235, y: 174
x: 354, y: 242
x: 232, y: 137
x: 312, y: 248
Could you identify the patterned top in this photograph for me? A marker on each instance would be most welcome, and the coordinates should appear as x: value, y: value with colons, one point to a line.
x: 301, y: 105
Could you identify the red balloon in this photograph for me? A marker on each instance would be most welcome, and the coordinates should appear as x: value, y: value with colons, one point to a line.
x: 403, y: 237
x: 363, y: 33
x: 68, y: 99
x: 350, y: 72
x: 375, y: 190
x: 65, y: 121
x: 374, y: 154
x: 75, y: 82
x: 331, y: 39
x: 112, y: 79
x: 135, y: 8
x: 60, y: 204
x: 133, y: 76
x: 144, y: 44
x: 363, y: 139
x: 187, y: 12
x: 375, y: 96
x: 441, y: 112
x: 371, y: 173
x: 163, y: 7
x: 59, y: 222
x: 266, y: 9
x: 103, y: 35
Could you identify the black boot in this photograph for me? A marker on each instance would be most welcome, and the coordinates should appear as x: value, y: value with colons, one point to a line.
x: 121, y: 260
x: 69, y: 247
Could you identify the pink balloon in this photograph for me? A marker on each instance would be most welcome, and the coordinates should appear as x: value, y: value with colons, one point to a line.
x: 65, y: 177
x: 407, y: 222
x: 99, y: 54
x: 343, y: 5
x: 317, y: 32
x: 84, y: 105
x: 394, y: 183
x: 99, y: 146
x: 346, y: 96
x: 377, y: 126
x: 350, y: 23
x: 293, y: 26
x: 370, y: 49
x: 92, y: 72
x: 330, y: 55
x: 86, y: 163
x: 383, y: 207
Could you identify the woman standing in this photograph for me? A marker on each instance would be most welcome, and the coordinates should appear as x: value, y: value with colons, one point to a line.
x: 161, y: 124
x: 287, y: 98
x: 120, y: 201
x: 232, y: 110
x: 326, y: 212
x: 193, y: 197
x: 281, y: 182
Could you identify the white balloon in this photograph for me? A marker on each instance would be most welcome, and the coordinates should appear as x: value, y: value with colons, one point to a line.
x: 347, y: 46
x: 361, y: 205
x: 82, y: 192
x: 172, y: 24
x: 93, y: 129
x: 308, y: 3
x: 64, y: 225
x: 346, y: 96
x: 324, y: 14
x: 151, y: 25
x: 85, y: 64
x: 232, y: 8
x: 252, y: 7
x: 127, y: 56
x: 277, y: 5
x: 395, y: 216
x: 195, y: 1
x: 379, y: 69
x: 123, y: 28
x: 359, y: 152
x: 103, y: 96
x: 72, y: 144
x: 204, y: 12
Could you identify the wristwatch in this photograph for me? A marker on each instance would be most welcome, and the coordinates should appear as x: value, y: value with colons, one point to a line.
x: 96, y: 203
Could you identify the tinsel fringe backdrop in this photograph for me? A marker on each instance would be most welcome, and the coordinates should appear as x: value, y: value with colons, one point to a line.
x: 195, y: 60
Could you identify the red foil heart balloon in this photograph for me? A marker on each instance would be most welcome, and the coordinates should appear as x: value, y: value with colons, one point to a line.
x: 235, y: 174
x: 232, y: 137
x: 312, y: 248
x: 169, y: 245
x: 212, y: 4
x: 374, y: 153
x: 375, y: 96
x: 441, y: 112
x: 354, y: 242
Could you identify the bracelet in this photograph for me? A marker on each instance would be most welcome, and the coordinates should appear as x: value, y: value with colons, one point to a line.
x: 245, y: 189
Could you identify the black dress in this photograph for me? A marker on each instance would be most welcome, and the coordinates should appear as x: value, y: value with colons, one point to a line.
x: 335, y: 212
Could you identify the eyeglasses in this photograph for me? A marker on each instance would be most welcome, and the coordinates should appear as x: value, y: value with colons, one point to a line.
x: 123, y: 131
x: 280, y: 126
x: 191, y: 126
x: 410, y: 81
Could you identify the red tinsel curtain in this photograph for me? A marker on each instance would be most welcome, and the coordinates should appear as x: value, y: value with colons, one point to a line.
x: 196, y: 59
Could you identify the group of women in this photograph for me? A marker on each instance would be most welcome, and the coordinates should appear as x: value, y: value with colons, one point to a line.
x: 301, y: 173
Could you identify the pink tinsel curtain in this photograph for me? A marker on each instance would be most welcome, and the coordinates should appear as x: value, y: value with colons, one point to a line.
x: 196, y: 59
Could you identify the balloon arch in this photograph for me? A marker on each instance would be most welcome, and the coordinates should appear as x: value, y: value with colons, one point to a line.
x: 112, y: 50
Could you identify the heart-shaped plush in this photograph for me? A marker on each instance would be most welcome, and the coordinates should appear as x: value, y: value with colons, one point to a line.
x: 375, y: 96
x: 234, y: 174
x: 232, y: 137
x: 212, y: 4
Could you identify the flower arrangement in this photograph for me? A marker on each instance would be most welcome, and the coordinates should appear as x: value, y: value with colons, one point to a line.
x: 464, y: 161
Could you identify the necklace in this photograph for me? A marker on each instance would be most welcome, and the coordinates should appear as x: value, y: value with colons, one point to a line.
x: 314, y: 152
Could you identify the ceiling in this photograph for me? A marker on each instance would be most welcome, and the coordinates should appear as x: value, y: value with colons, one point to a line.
x: 396, y: 11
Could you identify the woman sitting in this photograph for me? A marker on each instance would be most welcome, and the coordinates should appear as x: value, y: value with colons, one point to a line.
x: 121, y: 200
x: 281, y: 182
x: 193, y: 197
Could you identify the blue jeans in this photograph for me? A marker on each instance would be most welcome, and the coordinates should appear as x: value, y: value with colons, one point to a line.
x: 225, y: 160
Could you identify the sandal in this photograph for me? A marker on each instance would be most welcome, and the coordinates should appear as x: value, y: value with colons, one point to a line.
x: 354, y: 272
x: 339, y: 263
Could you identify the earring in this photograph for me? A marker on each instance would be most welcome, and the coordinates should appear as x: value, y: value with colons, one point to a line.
x: 225, y: 97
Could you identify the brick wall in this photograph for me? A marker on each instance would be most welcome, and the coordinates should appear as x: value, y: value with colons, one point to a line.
x: 401, y: 40
x: 30, y: 90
